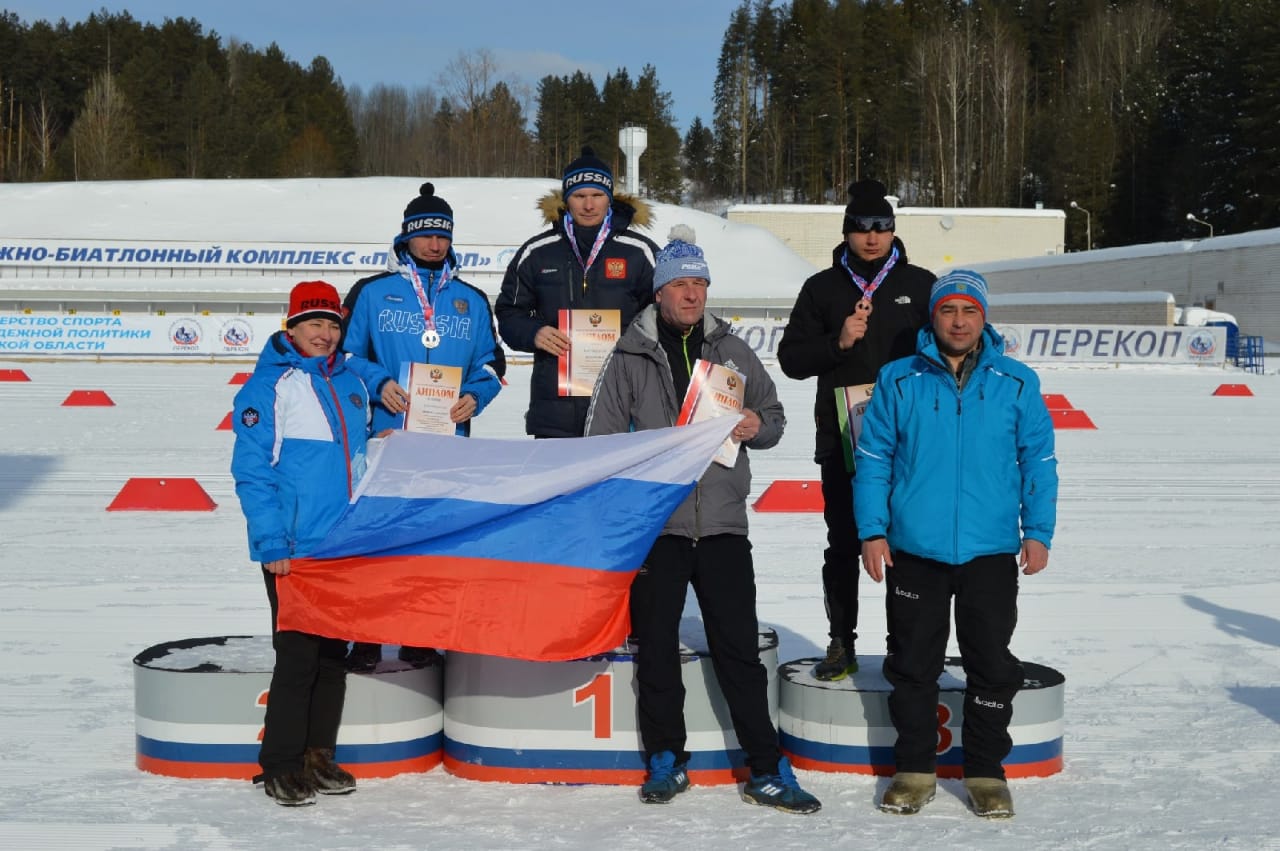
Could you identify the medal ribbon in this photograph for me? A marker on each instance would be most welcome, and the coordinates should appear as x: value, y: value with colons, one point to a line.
x: 595, y: 248
x: 414, y: 278
x: 869, y: 289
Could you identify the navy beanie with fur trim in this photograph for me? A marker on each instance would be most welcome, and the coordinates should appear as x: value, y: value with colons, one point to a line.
x: 587, y: 170
x: 426, y: 215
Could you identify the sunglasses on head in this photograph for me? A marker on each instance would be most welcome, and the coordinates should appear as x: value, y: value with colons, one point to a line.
x: 867, y: 224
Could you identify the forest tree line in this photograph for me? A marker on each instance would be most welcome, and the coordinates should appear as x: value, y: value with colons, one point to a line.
x: 1139, y: 111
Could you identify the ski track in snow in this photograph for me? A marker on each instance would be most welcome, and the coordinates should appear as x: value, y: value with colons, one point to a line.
x: 1161, y: 605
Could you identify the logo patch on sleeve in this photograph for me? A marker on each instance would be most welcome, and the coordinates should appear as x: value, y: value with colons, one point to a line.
x: 615, y: 268
x: 356, y: 400
x: 249, y: 417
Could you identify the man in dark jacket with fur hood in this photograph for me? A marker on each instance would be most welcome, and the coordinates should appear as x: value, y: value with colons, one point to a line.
x: 848, y: 321
x: 588, y: 259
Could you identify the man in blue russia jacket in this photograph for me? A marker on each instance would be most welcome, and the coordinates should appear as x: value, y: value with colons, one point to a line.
x: 419, y: 311
x: 956, y: 488
x: 301, y: 422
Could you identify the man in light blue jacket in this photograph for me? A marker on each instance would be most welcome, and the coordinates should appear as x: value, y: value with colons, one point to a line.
x: 956, y: 488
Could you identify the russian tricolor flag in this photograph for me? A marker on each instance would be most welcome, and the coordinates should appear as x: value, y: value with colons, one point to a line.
x: 517, y: 548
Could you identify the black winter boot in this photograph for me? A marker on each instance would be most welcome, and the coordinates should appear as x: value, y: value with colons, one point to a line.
x: 291, y: 789
x: 325, y: 775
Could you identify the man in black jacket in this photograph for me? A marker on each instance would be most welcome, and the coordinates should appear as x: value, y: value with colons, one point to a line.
x: 588, y: 259
x: 848, y: 321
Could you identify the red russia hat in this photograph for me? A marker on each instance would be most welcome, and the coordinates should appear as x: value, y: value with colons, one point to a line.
x: 313, y: 300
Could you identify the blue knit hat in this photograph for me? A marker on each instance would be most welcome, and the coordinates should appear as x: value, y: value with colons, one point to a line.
x: 679, y: 258
x: 426, y: 215
x: 962, y: 283
x: 587, y: 170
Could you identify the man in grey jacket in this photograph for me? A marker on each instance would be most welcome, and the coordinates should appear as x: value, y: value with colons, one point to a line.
x: 704, y: 542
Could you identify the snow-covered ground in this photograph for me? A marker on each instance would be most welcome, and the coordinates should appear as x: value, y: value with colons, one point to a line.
x: 1161, y: 606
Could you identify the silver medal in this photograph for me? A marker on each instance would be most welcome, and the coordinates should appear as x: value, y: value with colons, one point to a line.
x: 430, y: 338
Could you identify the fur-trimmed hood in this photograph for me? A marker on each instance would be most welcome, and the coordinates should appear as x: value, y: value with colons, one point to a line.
x: 628, y: 210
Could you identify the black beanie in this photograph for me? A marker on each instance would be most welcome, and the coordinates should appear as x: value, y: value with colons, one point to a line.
x: 866, y: 198
x: 587, y: 170
x: 426, y: 215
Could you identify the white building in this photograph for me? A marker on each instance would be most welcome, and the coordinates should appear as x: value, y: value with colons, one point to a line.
x: 1237, y: 274
x: 935, y: 237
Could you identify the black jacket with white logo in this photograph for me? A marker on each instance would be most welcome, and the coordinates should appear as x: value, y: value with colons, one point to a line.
x: 810, y: 343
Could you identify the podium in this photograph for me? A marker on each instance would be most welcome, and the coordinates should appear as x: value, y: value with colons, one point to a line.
x: 575, y: 722
x: 199, y: 705
x: 844, y: 726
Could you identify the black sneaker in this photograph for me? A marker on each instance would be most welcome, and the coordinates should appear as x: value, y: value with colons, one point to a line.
x: 364, y: 657
x: 667, y: 778
x: 325, y: 775
x: 780, y: 790
x: 840, y: 662
x: 291, y: 789
x: 418, y: 655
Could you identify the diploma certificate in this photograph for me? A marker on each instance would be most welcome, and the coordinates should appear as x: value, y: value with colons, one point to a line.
x: 432, y: 391
x: 714, y: 391
x: 851, y: 406
x: 592, y: 336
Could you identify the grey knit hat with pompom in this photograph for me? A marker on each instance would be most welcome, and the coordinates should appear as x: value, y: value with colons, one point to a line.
x: 680, y: 258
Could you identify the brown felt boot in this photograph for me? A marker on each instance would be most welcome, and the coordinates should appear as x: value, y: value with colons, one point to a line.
x: 909, y: 791
x: 989, y: 797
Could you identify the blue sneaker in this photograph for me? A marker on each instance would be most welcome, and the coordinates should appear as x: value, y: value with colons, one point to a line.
x: 781, y: 791
x: 666, y: 779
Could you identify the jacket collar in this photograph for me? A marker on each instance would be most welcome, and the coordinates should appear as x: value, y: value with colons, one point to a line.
x: 642, y: 334
x: 286, y: 355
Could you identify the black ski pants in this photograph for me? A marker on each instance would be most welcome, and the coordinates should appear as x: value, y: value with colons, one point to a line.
x: 918, y: 598
x: 840, y: 559
x: 722, y: 573
x: 308, y: 686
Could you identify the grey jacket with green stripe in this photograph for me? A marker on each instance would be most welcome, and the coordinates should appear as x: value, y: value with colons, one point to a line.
x: 635, y: 391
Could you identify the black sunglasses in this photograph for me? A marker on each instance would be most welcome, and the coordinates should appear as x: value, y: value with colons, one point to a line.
x: 866, y: 224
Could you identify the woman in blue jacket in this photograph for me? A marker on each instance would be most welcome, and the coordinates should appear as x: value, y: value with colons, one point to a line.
x: 955, y: 489
x: 301, y: 422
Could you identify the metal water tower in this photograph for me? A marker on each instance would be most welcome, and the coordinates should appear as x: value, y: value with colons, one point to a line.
x: 632, y: 141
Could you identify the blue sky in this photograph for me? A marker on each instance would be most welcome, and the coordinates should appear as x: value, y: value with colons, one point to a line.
x: 375, y: 41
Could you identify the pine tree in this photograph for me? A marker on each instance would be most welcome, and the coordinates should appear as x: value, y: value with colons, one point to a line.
x: 103, y: 138
x: 660, y: 165
x: 698, y: 155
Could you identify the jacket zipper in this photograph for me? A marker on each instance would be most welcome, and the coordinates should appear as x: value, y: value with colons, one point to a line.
x: 697, y: 487
x: 955, y: 542
x: 342, y: 426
